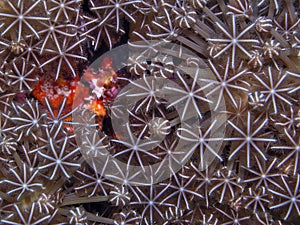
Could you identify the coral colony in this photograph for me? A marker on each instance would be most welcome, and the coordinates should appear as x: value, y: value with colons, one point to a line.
x: 251, y: 47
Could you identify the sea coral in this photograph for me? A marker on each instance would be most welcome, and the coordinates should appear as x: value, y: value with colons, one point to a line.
x: 63, y: 159
x: 22, y: 18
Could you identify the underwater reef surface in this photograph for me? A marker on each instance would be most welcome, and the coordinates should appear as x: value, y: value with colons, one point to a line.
x: 202, y: 126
